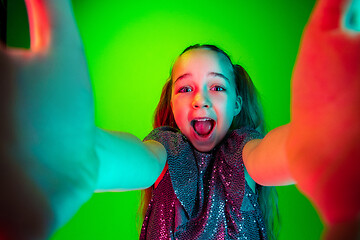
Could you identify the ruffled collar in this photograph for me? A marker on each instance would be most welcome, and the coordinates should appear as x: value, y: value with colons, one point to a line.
x: 187, y: 164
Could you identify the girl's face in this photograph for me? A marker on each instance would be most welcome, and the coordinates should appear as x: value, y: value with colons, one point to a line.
x: 203, y: 99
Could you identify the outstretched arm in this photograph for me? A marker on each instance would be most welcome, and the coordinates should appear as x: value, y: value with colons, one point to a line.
x: 265, y: 159
x: 52, y: 155
x: 126, y: 163
x: 320, y: 148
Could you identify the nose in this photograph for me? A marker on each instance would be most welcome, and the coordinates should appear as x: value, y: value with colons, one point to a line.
x: 201, y: 100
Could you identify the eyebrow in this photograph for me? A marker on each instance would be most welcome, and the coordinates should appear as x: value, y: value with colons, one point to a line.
x: 216, y: 74
x: 213, y: 74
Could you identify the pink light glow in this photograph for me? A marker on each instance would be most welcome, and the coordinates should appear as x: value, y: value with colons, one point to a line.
x: 39, y: 24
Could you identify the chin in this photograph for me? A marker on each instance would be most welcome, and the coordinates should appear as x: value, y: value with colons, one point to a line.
x: 204, y: 148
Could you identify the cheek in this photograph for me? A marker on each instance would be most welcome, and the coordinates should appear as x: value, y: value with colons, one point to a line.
x: 226, y: 111
x: 226, y: 105
x: 175, y: 107
x: 179, y: 110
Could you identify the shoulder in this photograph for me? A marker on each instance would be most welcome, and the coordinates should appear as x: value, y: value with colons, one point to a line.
x: 171, y: 139
x: 163, y: 133
x: 238, y: 138
x: 247, y: 134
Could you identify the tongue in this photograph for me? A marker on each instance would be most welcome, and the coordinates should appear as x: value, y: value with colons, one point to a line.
x: 203, y: 127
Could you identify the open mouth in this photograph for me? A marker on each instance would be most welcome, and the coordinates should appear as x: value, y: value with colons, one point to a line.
x: 203, y: 126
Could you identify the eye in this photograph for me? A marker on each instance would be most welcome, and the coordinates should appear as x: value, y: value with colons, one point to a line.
x: 184, y: 89
x: 217, y: 88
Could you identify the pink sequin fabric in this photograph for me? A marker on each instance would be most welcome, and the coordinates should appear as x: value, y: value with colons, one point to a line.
x: 203, y: 195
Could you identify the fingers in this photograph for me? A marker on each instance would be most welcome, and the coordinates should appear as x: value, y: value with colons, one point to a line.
x: 39, y: 23
x: 53, y: 31
x: 51, y: 24
x: 327, y: 14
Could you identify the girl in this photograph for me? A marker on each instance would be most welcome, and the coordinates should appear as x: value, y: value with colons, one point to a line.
x: 206, y: 96
x: 205, y: 198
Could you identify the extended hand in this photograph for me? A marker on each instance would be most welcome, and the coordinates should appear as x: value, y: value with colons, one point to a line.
x: 323, y: 146
x: 48, y: 165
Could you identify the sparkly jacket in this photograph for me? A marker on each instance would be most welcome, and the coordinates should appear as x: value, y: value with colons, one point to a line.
x: 203, y: 195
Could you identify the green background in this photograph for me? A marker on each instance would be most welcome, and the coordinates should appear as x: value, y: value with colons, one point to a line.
x: 130, y: 48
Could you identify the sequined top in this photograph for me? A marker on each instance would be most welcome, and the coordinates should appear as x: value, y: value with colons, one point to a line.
x: 203, y: 195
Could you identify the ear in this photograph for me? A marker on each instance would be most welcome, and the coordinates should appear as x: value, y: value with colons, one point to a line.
x: 238, y: 105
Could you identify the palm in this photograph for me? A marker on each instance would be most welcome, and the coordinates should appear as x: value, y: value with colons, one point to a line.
x: 323, y: 143
x: 51, y: 120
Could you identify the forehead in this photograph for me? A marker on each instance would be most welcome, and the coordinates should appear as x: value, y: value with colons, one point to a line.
x: 202, y: 61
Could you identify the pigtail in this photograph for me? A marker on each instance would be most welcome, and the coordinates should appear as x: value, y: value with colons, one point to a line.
x: 163, y: 116
x: 268, y: 201
x: 251, y: 115
x: 251, y: 112
x: 163, y: 113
